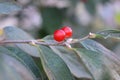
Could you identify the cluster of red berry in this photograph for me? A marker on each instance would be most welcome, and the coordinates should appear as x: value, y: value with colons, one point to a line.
x: 62, y: 34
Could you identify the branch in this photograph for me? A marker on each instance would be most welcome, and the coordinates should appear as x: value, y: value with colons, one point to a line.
x: 29, y: 42
x: 41, y: 42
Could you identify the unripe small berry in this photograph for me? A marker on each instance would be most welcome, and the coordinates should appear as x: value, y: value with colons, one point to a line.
x: 68, y: 31
x: 59, y: 35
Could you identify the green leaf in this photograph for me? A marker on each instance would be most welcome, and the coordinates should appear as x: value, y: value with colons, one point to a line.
x: 39, y: 64
x: 97, y: 47
x: 14, y: 33
x: 8, y: 7
x: 22, y: 57
x: 110, y: 59
x: 12, y: 69
x: 72, y: 60
x: 53, y: 65
x: 93, y: 62
x: 26, y: 59
x: 109, y: 33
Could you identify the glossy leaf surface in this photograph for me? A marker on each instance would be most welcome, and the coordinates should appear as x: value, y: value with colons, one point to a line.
x: 109, y: 33
x: 13, y: 33
x: 53, y: 65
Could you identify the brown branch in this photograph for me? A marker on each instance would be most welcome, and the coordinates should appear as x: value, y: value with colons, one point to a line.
x: 32, y: 42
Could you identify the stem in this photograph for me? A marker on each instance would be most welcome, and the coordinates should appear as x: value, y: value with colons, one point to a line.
x: 15, y: 41
x: 43, y: 42
x: 79, y: 40
x: 29, y: 42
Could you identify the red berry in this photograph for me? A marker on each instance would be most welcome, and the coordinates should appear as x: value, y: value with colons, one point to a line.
x: 59, y: 35
x: 68, y: 31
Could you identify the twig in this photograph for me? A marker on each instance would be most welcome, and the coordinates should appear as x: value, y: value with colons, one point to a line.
x: 79, y: 40
x: 31, y: 42
x: 69, y: 41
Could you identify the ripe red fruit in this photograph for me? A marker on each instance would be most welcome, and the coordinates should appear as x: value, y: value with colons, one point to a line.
x: 59, y: 35
x: 68, y: 31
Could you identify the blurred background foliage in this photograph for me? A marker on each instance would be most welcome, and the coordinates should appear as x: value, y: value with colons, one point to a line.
x: 42, y: 17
